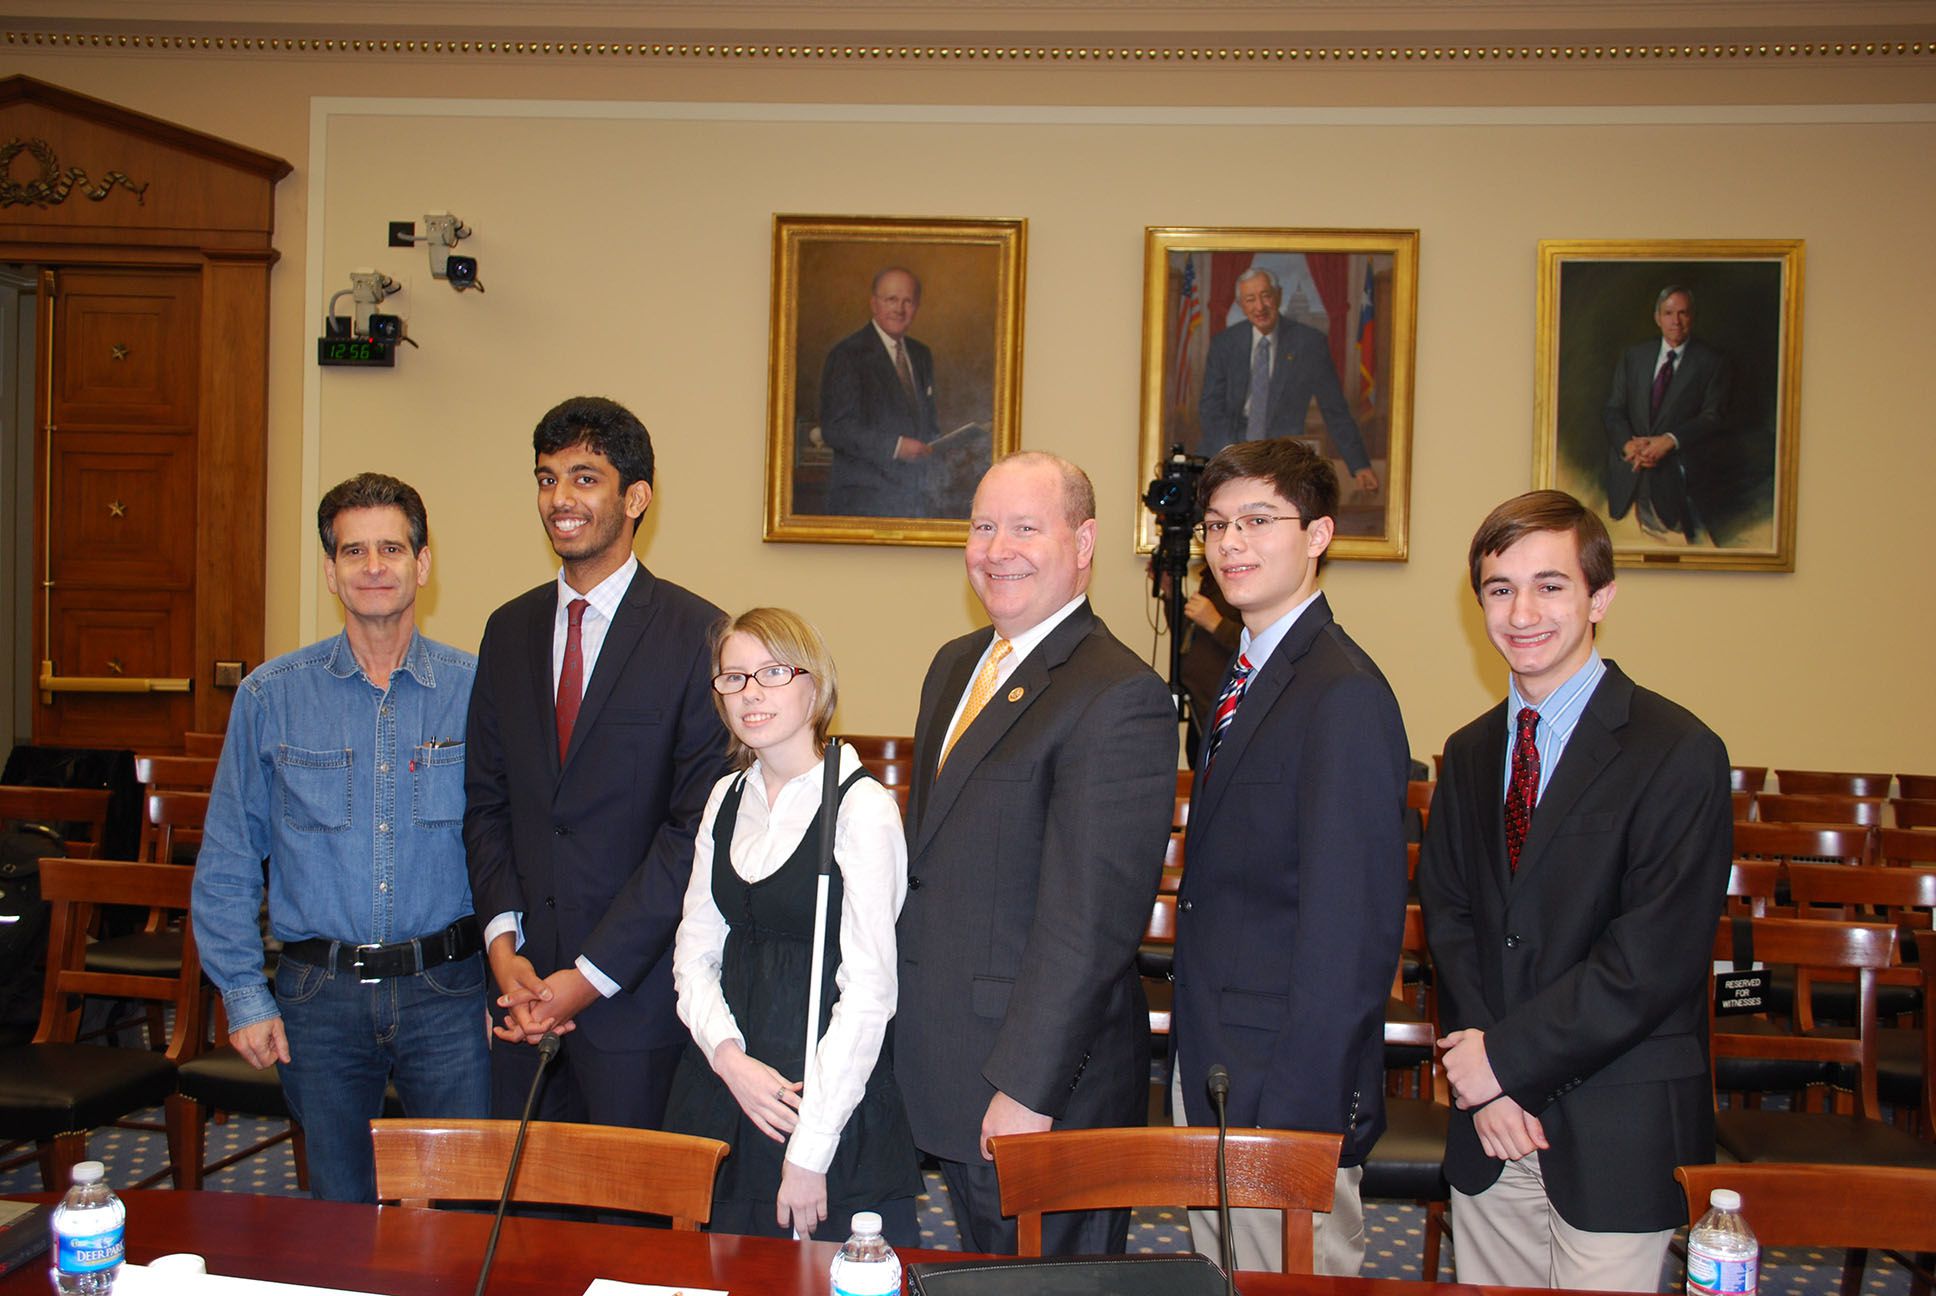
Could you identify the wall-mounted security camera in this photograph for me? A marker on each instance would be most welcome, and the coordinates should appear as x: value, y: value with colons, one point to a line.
x: 365, y: 338
x: 442, y: 232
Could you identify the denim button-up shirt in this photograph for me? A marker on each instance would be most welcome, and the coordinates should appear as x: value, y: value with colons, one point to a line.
x: 355, y: 795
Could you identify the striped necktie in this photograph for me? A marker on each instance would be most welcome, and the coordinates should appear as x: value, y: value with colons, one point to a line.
x: 1233, y: 693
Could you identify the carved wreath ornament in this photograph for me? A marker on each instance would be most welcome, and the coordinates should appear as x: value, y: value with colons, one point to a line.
x: 51, y: 187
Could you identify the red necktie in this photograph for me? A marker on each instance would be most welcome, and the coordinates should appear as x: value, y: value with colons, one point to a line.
x: 571, y: 676
x: 1662, y: 377
x: 1233, y: 693
x: 1523, y: 791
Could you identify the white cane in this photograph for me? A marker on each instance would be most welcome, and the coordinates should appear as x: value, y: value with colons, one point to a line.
x: 829, y: 805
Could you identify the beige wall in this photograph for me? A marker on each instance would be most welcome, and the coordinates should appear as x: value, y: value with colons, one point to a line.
x: 627, y: 251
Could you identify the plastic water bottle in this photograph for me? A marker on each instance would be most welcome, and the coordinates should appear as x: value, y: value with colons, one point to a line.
x: 88, y: 1226
x: 1723, y: 1258
x: 866, y: 1265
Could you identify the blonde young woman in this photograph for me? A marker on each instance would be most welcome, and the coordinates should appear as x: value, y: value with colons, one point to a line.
x: 808, y: 1149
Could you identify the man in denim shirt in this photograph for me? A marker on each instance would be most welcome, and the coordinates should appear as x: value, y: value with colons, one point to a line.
x: 344, y: 767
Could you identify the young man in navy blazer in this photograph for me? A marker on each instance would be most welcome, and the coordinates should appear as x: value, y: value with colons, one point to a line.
x: 1293, y: 901
x: 1572, y: 875
x: 593, y: 744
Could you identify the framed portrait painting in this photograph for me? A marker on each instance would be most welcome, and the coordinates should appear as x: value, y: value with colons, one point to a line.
x: 1669, y: 382
x: 894, y: 374
x: 1256, y: 333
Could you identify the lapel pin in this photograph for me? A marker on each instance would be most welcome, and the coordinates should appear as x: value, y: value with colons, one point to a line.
x: 1015, y: 694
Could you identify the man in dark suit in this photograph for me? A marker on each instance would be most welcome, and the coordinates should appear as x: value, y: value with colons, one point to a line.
x: 877, y: 408
x: 1665, y: 412
x: 1045, y: 767
x: 1293, y: 903
x: 1572, y: 875
x: 1260, y: 378
x: 593, y: 745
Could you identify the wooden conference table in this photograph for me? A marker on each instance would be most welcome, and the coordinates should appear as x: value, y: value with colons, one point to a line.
x: 405, y: 1252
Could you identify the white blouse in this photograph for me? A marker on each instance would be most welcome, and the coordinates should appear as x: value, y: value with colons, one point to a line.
x: 871, y: 853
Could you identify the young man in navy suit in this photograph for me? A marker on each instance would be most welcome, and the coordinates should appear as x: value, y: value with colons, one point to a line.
x: 593, y: 744
x: 1293, y: 901
x: 1572, y: 875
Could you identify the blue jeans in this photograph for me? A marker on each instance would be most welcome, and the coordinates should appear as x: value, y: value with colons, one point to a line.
x: 348, y: 1039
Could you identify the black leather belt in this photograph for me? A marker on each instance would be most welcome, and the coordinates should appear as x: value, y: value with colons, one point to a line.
x: 367, y: 963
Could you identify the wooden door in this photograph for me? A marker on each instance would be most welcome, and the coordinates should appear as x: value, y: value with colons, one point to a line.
x: 116, y: 535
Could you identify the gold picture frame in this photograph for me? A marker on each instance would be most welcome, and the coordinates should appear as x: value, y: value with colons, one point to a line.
x: 1701, y: 473
x: 1359, y: 290
x: 881, y: 415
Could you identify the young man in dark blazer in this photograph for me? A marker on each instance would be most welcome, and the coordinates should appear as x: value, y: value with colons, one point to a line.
x: 1572, y: 875
x: 1045, y: 767
x: 1293, y: 900
x: 593, y: 744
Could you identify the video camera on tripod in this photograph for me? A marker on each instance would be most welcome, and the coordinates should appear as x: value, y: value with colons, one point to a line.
x: 1172, y: 497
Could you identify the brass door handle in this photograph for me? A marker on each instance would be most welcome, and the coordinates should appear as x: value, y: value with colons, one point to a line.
x: 51, y: 684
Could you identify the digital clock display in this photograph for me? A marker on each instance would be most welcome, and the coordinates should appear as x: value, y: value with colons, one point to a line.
x: 377, y: 353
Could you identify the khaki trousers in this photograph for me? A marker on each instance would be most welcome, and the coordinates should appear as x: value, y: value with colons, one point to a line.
x: 1510, y: 1236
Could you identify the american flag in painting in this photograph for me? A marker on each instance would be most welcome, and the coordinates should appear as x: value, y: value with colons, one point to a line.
x: 1189, y: 321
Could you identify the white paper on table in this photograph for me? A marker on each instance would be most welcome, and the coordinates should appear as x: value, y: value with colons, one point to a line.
x: 613, y: 1287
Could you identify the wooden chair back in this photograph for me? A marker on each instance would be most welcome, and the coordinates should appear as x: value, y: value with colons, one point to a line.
x: 176, y: 819
x: 880, y: 747
x: 1418, y: 796
x: 1861, y: 948
x: 1914, y: 813
x: 1097, y: 1169
x: 1856, y: 1207
x: 419, y: 1162
x: 1832, y: 783
x: 1907, y: 845
x: 1422, y: 1034
x: 1173, y: 853
x: 892, y: 773
x: 59, y: 808
x: 170, y: 774
x: 1781, y: 841
x: 1916, y: 787
x: 1818, y: 808
x: 201, y: 744
x: 1180, y: 815
x: 1162, y: 920
x: 1863, y: 894
x: 1747, y: 778
x: 74, y: 890
x: 1752, y: 885
x: 1171, y: 882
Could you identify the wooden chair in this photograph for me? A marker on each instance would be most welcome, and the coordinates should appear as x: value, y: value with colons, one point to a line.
x: 1747, y: 778
x: 1914, y: 813
x: 169, y: 774
x: 419, y: 1162
x: 1743, y: 805
x: 1812, y: 807
x: 892, y: 773
x: 1831, y: 1138
x: 155, y: 950
x: 1858, y: 1207
x: 54, y: 1090
x: 1916, y: 787
x: 1785, y: 841
x: 176, y: 819
x: 1407, y: 1162
x: 1831, y: 783
x: 201, y: 744
x: 63, y: 809
x: 1154, y: 957
x: 1099, y: 1169
x: 879, y: 747
x: 1418, y: 797
x: 1905, y: 846
x: 220, y: 1080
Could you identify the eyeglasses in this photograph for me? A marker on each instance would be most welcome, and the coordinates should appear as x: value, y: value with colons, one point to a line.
x: 775, y: 676
x: 1253, y: 525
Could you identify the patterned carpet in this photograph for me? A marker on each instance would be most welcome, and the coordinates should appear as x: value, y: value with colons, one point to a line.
x: 1393, y: 1250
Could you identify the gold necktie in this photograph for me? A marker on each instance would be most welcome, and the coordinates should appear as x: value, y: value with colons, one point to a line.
x: 978, y: 695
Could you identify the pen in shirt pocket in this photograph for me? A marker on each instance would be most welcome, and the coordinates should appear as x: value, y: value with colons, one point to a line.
x: 433, y: 745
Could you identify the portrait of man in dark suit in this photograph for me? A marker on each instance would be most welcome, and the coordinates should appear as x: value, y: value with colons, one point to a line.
x: 877, y: 408
x: 1038, y: 814
x: 1667, y: 409
x: 1669, y: 395
x: 1293, y: 904
x: 1261, y: 377
x: 1572, y: 875
x: 593, y: 744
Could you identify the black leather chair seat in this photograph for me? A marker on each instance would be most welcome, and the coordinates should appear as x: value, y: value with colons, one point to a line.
x: 1821, y: 1138
x: 150, y: 954
x: 221, y: 1079
x: 1834, y: 1001
x: 1154, y: 959
x: 49, y: 1089
x: 1769, y: 1075
x: 1899, y: 1067
x: 1407, y: 1161
x: 1404, y: 1057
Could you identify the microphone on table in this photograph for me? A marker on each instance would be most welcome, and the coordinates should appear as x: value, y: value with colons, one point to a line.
x: 548, y: 1048
x: 1218, y: 1083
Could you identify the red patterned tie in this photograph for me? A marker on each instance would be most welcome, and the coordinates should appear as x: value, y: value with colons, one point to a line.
x: 571, y: 676
x: 1662, y: 377
x: 1523, y: 791
x: 1233, y: 693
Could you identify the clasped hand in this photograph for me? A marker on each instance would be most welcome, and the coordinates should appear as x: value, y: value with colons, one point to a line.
x: 1505, y: 1129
